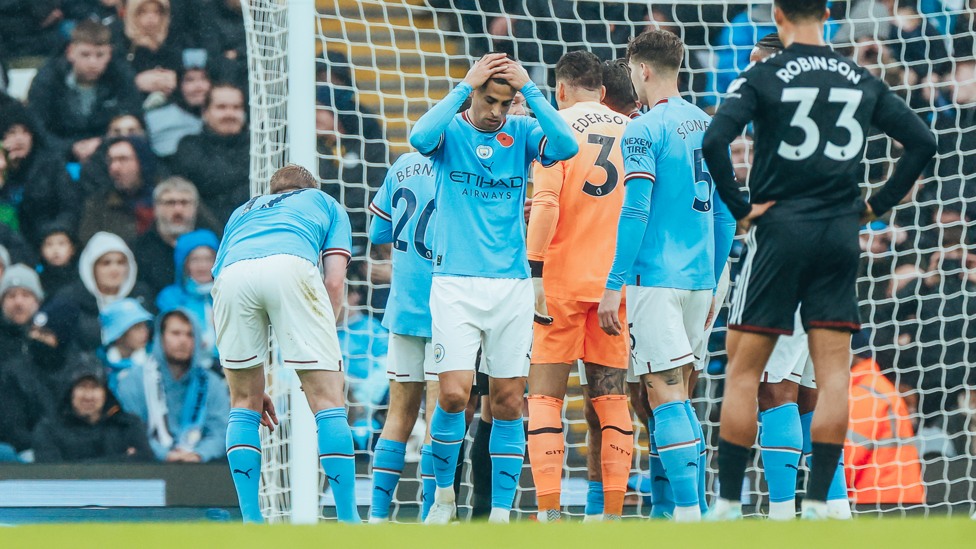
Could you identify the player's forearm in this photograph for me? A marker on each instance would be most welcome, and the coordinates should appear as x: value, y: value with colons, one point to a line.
x: 724, y: 235
x: 380, y: 231
x: 560, y: 143
x: 542, y: 223
x: 630, y: 230
x: 920, y: 147
x: 426, y: 135
x: 715, y: 150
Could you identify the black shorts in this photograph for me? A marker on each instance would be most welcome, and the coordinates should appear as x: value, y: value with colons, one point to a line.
x: 813, y: 262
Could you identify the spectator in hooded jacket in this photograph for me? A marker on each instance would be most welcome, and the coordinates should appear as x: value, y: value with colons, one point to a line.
x: 37, y: 185
x: 194, y: 259
x: 125, y: 335
x: 30, y: 27
x: 217, y: 160
x: 94, y: 176
x: 181, y: 117
x: 76, y: 95
x: 108, y: 273
x: 90, y: 426
x: 125, y: 209
x: 51, y: 346
x: 178, y: 211
x: 174, y: 380
x: 153, y: 52
x: 226, y: 42
x: 58, y: 266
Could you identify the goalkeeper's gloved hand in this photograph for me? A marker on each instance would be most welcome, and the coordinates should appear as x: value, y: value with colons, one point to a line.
x: 541, y: 310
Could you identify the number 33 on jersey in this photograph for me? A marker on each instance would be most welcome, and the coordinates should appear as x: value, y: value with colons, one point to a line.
x: 403, y: 210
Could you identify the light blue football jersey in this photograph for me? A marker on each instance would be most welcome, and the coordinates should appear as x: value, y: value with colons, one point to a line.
x: 677, y: 247
x: 402, y: 214
x: 480, y: 191
x: 306, y: 223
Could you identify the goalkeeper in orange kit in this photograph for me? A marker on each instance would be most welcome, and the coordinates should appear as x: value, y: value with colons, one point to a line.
x: 571, y: 240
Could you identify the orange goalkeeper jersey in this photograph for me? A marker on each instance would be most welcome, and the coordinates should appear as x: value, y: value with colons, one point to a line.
x: 576, y: 205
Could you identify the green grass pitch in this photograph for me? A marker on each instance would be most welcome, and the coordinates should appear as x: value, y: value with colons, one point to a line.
x: 753, y: 534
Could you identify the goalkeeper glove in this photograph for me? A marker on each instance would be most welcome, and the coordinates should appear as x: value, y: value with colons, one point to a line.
x: 541, y: 310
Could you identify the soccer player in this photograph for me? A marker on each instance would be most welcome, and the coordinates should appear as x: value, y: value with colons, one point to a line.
x: 787, y: 396
x: 402, y: 214
x: 811, y: 110
x: 266, y: 274
x: 575, y: 209
x: 669, y: 252
x: 481, y: 294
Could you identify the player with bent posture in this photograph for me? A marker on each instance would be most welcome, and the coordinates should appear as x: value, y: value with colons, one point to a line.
x: 481, y: 295
x: 672, y: 245
x: 402, y: 211
x: 575, y: 210
x: 266, y: 274
x: 811, y: 109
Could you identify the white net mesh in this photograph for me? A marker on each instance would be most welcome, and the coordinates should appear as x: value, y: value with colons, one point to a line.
x: 384, y: 63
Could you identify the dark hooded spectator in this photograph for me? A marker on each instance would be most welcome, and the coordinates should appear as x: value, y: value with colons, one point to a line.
x: 125, y: 209
x: 8, y: 212
x: 106, y: 11
x: 336, y: 87
x: 194, y: 259
x: 20, y: 297
x: 51, y: 345
x: 76, y: 95
x: 58, y: 266
x: 226, y: 41
x: 125, y: 335
x: 108, y: 274
x: 37, y: 185
x: 177, y: 211
x: 957, y: 131
x: 181, y: 117
x: 94, y: 177
x: 90, y: 426
x: 217, y: 160
x: 30, y: 27
x: 174, y: 380
x: 18, y: 249
x: 4, y: 260
x: 153, y: 52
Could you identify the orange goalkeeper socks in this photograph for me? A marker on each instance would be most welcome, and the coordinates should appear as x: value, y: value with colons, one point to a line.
x: 617, y: 449
x: 546, y: 449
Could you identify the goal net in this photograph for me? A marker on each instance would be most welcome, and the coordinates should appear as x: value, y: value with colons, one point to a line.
x: 382, y: 63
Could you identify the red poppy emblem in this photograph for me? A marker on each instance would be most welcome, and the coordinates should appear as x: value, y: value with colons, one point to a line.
x: 505, y: 139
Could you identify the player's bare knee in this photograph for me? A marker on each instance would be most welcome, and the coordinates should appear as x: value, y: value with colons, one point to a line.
x: 452, y: 398
x: 603, y: 380
x: 506, y: 405
x: 664, y: 387
x: 772, y: 395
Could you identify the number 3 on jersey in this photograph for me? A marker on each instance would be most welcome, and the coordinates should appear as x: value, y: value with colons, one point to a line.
x: 420, y: 233
x: 806, y: 97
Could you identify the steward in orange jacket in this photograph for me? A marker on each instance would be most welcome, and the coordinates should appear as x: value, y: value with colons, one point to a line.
x: 881, y: 463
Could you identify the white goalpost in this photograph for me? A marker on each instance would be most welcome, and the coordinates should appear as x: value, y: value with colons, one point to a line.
x: 389, y: 61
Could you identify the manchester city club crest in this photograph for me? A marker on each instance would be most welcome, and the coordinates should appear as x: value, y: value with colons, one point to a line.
x: 484, y: 152
x: 438, y: 352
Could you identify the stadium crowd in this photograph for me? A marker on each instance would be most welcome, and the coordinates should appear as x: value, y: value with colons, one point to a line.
x: 132, y: 148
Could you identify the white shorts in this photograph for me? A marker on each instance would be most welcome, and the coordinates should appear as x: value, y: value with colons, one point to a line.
x: 281, y: 291
x: 791, y: 359
x: 668, y: 328
x: 410, y: 359
x: 495, y: 314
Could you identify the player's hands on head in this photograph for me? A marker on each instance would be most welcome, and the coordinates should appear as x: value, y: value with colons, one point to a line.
x: 609, y: 312
x: 757, y: 210
x: 268, y: 417
x: 485, y: 68
x: 515, y: 74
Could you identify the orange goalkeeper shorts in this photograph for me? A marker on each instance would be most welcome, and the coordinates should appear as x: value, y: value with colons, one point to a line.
x: 575, y: 333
